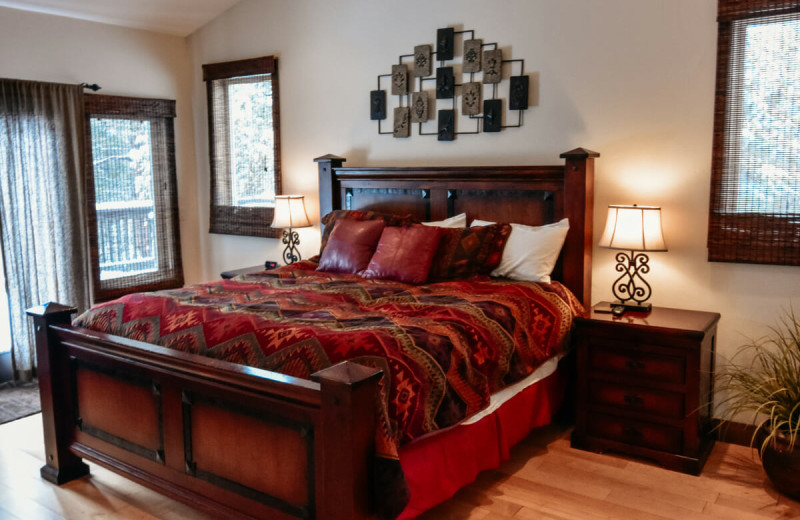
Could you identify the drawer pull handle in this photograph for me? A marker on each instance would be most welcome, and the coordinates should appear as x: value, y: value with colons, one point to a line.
x: 631, y: 433
x: 634, y: 364
x: 634, y: 400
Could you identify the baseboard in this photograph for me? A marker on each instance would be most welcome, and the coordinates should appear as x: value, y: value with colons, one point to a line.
x: 734, y: 432
x: 6, y: 370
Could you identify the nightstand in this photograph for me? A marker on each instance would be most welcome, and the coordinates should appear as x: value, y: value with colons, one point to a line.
x: 645, y: 385
x: 227, y: 275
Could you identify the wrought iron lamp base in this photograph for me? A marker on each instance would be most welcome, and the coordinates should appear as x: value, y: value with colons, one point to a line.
x: 633, y: 306
x: 631, y: 289
x: 291, y: 254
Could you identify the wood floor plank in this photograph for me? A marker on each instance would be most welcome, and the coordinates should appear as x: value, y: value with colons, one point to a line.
x: 11, y: 501
x: 622, y: 476
x: 747, y: 503
x: 718, y: 511
x: 497, y: 505
x: 545, y: 479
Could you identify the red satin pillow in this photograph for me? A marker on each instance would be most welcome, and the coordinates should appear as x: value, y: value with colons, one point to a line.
x: 404, y: 254
x: 466, y: 252
x: 350, y: 246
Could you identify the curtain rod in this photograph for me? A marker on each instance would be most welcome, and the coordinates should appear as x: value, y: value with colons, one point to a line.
x: 94, y: 86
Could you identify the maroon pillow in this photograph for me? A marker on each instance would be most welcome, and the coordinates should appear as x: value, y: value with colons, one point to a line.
x: 351, y: 245
x: 330, y: 220
x: 404, y: 254
x: 466, y: 252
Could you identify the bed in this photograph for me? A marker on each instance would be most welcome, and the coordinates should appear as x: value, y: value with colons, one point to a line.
x: 304, y: 448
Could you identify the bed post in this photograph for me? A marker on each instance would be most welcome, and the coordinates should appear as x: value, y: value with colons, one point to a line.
x: 347, y: 440
x: 329, y: 198
x: 53, y: 371
x: 579, y: 193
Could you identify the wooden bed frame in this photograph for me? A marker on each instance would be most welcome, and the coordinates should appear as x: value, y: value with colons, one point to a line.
x: 241, y: 442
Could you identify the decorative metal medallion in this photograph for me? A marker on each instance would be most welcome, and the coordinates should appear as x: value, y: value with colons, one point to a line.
x: 471, y: 98
x: 481, y: 109
x: 423, y: 61
x: 377, y: 105
x: 444, y: 43
x: 472, y: 56
x: 445, y: 83
x: 492, y: 115
x: 402, y: 124
x: 447, y: 125
x: 518, y: 93
x: 492, y: 66
x: 399, y: 80
x: 419, y: 107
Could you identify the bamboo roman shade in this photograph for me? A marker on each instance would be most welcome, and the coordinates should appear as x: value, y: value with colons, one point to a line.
x: 755, y: 185
x: 244, y: 145
x: 728, y: 10
x: 132, y: 195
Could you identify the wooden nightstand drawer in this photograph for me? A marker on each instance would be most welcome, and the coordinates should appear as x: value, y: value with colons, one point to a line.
x: 645, y: 400
x: 654, y: 436
x: 652, y: 367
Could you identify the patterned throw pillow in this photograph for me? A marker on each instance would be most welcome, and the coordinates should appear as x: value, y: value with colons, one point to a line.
x: 329, y: 221
x: 466, y: 252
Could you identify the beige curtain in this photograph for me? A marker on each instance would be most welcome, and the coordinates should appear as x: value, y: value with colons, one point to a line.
x: 42, y: 206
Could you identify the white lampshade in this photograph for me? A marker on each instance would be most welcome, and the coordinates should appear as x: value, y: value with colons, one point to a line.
x: 290, y: 212
x: 635, y: 228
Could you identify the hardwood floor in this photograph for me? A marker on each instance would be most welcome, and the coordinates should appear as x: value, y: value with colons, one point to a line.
x: 544, y: 480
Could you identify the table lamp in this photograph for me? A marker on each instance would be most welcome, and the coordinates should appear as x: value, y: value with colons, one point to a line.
x: 290, y: 213
x: 634, y: 228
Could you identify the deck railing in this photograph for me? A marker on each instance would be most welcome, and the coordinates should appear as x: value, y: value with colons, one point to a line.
x: 126, y: 238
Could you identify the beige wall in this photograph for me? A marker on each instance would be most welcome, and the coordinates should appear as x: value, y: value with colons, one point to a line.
x: 631, y: 79
x: 124, y: 62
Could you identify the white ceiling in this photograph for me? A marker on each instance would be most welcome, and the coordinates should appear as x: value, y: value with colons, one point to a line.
x: 179, y: 17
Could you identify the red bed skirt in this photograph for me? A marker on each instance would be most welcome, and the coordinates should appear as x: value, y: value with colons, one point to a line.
x: 439, y: 465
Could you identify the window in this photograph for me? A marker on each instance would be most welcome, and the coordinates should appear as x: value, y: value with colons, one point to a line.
x: 755, y: 186
x: 132, y: 196
x: 244, y: 145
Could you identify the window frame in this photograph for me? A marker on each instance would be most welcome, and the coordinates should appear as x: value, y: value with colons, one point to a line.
x: 160, y: 113
x: 228, y: 219
x: 756, y: 238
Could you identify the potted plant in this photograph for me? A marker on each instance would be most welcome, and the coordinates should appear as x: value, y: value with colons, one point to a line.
x: 765, y: 383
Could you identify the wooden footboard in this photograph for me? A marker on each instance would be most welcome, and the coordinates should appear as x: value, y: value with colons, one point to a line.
x: 236, y: 441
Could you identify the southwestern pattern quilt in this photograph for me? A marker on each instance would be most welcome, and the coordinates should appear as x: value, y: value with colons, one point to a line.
x: 444, y: 347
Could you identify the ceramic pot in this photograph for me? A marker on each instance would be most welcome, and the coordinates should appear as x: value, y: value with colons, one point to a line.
x: 782, y: 465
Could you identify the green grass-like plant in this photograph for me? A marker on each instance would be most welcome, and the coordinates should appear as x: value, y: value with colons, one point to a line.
x: 768, y: 386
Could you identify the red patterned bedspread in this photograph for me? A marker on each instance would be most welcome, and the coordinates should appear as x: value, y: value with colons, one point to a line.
x: 446, y: 346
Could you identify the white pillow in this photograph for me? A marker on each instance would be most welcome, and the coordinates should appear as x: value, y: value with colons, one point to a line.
x: 531, y: 251
x: 459, y: 221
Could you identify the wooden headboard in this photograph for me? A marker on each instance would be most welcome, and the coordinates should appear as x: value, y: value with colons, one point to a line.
x: 532, y: 195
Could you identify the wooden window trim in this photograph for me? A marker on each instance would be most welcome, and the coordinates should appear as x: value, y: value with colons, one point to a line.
x: 756, y: 238
x: 162, y: 110
x: 238, y: 220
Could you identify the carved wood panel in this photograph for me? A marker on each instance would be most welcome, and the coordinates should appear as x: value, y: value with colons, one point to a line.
x: 520, y: 206
x: 261, y: 456
x: 416, y: 201
x: 119, y: 408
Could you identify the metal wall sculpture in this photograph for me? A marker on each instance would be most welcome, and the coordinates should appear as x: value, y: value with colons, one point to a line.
x: 479, y: 96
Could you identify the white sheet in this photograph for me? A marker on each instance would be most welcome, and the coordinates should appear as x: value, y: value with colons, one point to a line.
x: 497, y: 400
